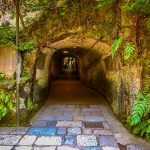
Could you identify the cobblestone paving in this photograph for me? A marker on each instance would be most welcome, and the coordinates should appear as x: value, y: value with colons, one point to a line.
x: 66, y: 133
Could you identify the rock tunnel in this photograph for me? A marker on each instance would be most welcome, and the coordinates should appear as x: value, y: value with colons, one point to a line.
x: 96, y: 69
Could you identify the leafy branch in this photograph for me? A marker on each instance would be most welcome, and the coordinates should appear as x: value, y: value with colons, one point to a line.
x: 129, y: 49
x: 115, y: 45
x: 5, y: 103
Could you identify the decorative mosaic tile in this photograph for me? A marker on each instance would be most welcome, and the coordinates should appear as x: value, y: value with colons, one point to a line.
x: 9, y: 139
x: 69, y: 140
x: 41, y: 123
x: 49, y: 140
x: 74, y: 131
x: 61, y: 131
x: 69, y: 124
x: 27, y: 140
x: 51, y: 124
x: 63, y: 118
x: 87, y: 140
x: 109, y: 141
x: 94, y: 118
x: 46, y: 131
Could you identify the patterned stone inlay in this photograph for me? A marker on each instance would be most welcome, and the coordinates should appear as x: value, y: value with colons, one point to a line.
x: 9, y: 139
x: 69, y: 124
x: 109, y: 141
x: 27, y: 140
x: 61, y: 131
x: 49, y: 140
x: 44, y: 131
x: 87, y: 140
x: 74, y: 131
x: 69, y: 140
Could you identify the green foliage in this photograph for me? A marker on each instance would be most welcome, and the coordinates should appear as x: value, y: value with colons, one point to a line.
x: 148, y: 23
x: 7, y: 35
x: 115, y: 45
x: 60, y: 3
x: 138, y: 119
x: 5, y: 103
x: 99, y: 35
x: 2, y: 76
x: 104, y: 3
x: 26, y: 46
x: 129, y: 49
x: 31, y: 105
x: 38, y: 7
x: 90, y: 34
x: 142, y: 128
x: 140, y: 109
x: 62, y: 14
x: 137, y: 6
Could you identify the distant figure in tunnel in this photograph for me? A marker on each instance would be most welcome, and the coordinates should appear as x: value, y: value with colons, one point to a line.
x: 65, y: 65
x: 68, y: 62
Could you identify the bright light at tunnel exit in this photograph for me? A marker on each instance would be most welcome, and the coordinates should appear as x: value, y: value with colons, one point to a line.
x: 65, y: 52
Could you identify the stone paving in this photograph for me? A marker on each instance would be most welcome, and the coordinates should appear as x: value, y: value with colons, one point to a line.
x: 66, y: 133
x: 62, y: 127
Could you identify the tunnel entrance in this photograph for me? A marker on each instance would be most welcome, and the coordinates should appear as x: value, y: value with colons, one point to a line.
x: 86, y: 64
x: 71, y: 70
x: 95, y: 67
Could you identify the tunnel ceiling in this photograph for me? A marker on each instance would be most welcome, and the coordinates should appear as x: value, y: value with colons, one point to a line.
x: 78, y: 45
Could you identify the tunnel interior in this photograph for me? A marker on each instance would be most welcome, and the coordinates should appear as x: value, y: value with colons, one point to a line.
x: 64, y: 65
x: 78, y: 63
x: 94, y: 67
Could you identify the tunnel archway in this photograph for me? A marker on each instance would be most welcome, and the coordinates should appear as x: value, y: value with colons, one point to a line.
x: 96, y: 69
x: 88, y: 52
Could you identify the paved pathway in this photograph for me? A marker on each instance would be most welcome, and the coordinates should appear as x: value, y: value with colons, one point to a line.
x: 74, y: 118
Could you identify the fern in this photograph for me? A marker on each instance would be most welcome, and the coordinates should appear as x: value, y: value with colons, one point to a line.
x: 129, y: 49
x: 115, y: 45
x: 138, y: 118
x: 143, y: 129
x: 140, y: 109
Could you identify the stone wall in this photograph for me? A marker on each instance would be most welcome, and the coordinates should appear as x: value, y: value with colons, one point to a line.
x: 8, y: 60
x: 122, y: 85
x: 42, y: 75
x: 118, y: 83
x: 92, y: 71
